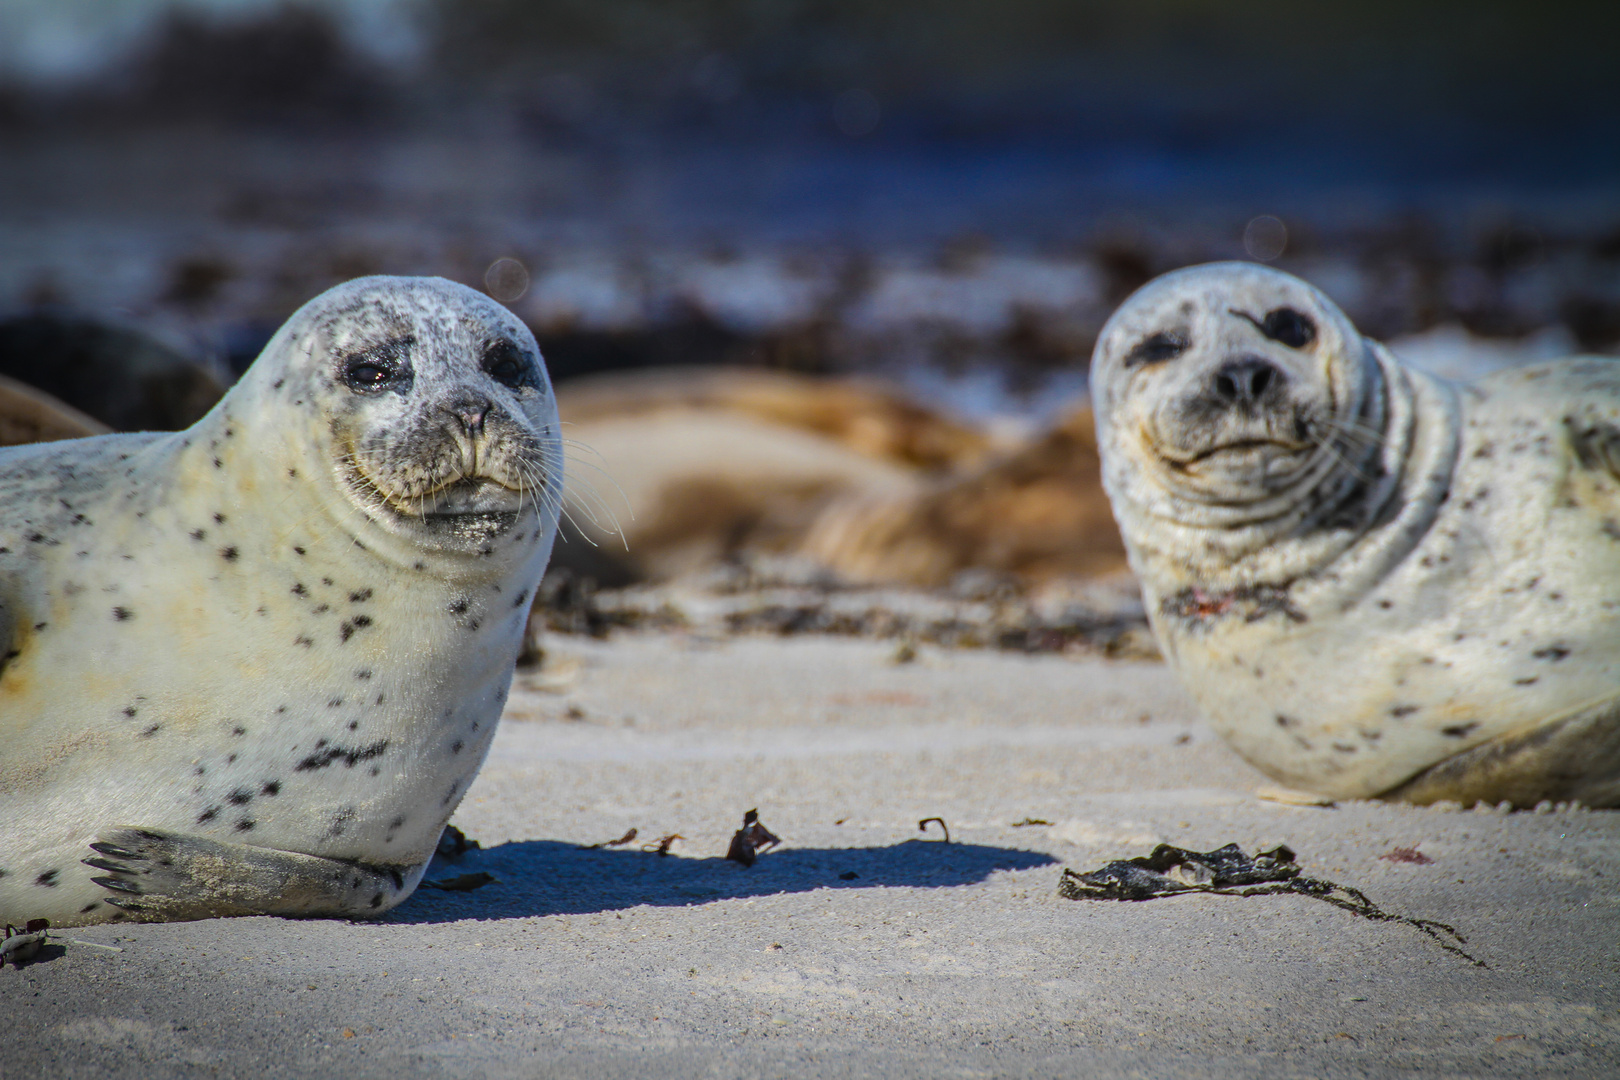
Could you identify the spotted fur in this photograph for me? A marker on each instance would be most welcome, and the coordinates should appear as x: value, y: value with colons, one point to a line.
x: 269, y: 652
x: 1374, y: 582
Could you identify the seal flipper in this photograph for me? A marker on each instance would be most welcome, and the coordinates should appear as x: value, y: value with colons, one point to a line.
x: 160, y: 876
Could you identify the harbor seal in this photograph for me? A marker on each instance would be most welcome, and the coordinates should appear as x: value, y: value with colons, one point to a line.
x: 1373, y: 582
x: 252, y: 667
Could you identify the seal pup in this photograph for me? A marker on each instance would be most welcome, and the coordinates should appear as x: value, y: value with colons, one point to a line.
x: 252, y: 667
x: 1373, y: 582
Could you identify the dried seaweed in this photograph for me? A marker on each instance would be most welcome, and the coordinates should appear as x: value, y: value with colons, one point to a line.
x: 752, y: 838
x: 1228, y: 871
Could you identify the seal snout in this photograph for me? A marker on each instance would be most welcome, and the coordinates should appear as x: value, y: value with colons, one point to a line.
x: 1247, y: 381
x: 471, y: 410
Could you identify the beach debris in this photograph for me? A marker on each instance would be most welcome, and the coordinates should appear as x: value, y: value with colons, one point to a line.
x: 662, y: 845
x: 1406, y: 855
x: 922, y: 826
x: 752, y: 838
x: 1030, y: 821
x: 1227, y: 871
x: 462, y: 883
x: 904, y: 653
x: 22, y: 946
x: 620, y: 842
x: 453, y: 844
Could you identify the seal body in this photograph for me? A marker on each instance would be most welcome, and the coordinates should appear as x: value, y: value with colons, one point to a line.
x: 1374, y: 582
x: 252, y: 666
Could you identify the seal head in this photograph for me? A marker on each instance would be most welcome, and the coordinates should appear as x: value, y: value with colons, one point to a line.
x: 1372, y: 581
x: 253, y: 666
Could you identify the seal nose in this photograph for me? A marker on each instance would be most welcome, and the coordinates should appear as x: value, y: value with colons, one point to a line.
x: 471, y: 412
x: 1243, y: 382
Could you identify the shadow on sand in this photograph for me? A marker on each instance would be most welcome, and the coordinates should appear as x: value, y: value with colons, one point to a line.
x: 549, y: 877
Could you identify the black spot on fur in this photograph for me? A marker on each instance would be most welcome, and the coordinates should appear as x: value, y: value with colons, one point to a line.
x: 521, y: 597
x: 245, y: 825
x: 1403, y: 710
x: 228, y: 554
x: 1531, y: 681
x: 334, y: 703
x: 326, y: 755
x: 130, y: 711
x: 455, y: 747
x: 88, y: 908
x: 208, y: 815
x: 47, y: 879
x: 123, y: 614
x: 298, y: 549
x: 151, y: 731
x: 376, y: 901
x: 1458, y: 731
x: 240, y: 797
x: 199, y: 534
x: 360, y: 597
x: 458, y: 607
x: 1553, y: 653
x: 302, y: 640
x: 238, y: 731
x: 219, y: 519
x: 271, y: 787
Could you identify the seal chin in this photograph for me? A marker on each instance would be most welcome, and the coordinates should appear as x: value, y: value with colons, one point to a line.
x: 1242, y: 468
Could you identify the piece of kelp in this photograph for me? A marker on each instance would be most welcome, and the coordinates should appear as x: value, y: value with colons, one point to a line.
x: 1229, y: 872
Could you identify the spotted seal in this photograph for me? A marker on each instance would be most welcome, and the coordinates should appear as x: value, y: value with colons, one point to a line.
x: 253, y: 666
x: 1373, y: 582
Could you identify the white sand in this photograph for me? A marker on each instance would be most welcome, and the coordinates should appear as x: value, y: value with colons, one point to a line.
x: 935, y: 961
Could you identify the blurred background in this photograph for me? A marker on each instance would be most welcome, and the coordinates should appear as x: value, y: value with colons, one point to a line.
x: 939, y: 199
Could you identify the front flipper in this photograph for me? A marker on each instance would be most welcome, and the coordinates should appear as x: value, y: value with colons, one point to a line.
x: 161, y: 876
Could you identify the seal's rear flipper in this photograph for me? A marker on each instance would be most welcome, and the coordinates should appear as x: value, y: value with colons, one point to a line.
x: 1576, y: 757
x: 160, y: 876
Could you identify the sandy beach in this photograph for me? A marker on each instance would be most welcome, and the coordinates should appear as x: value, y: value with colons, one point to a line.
x: 861, y: 946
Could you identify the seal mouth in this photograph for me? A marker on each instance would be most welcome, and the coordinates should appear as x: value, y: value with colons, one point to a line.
x: 466, y: 498
x: 1246, y: 451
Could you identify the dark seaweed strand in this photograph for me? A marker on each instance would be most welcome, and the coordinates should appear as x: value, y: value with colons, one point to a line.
x: 1357, y: 904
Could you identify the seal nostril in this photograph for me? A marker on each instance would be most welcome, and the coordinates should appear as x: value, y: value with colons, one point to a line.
x: 470, y: 413
x: 1244, y: 380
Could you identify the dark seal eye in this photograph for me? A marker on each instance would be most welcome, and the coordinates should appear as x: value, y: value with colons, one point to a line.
x: 1289, y: 327
x: 364, y: 375
x: 1165, y: 345
x: 382, y: 367
x: 507, y: 366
